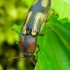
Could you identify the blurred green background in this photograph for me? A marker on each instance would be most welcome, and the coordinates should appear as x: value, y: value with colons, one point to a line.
x: 54, y: 51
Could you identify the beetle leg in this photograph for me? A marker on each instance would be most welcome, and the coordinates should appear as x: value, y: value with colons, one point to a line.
x: 45, y: 32
x: 18, y: 42
x: 34, y: 63
x: 15, y: 31
x: 38, y: 50
x: 51, y: 13
x: 18, y: 33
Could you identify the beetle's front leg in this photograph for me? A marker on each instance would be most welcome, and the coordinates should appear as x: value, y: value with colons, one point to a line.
x: 16, y: 31
x: 45, y: 32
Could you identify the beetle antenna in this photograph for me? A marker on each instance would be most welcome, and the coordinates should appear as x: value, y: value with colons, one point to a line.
x: 33, y: 62
x: 16, y: 57
x: 30, y: 59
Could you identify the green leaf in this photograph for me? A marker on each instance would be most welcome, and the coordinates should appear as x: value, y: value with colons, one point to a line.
x: 28, y: 2
x: 17, y: 28
x: 54, y: 51
x: 62, y: 8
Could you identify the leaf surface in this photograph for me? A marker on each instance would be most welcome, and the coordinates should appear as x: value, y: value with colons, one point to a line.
x: 54, y: 51
x: 62, y: 8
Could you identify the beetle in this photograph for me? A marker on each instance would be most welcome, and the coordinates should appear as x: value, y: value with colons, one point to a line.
x: 33, y: 24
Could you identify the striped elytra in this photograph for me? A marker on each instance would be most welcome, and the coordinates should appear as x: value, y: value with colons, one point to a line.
x: 34, y: 23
